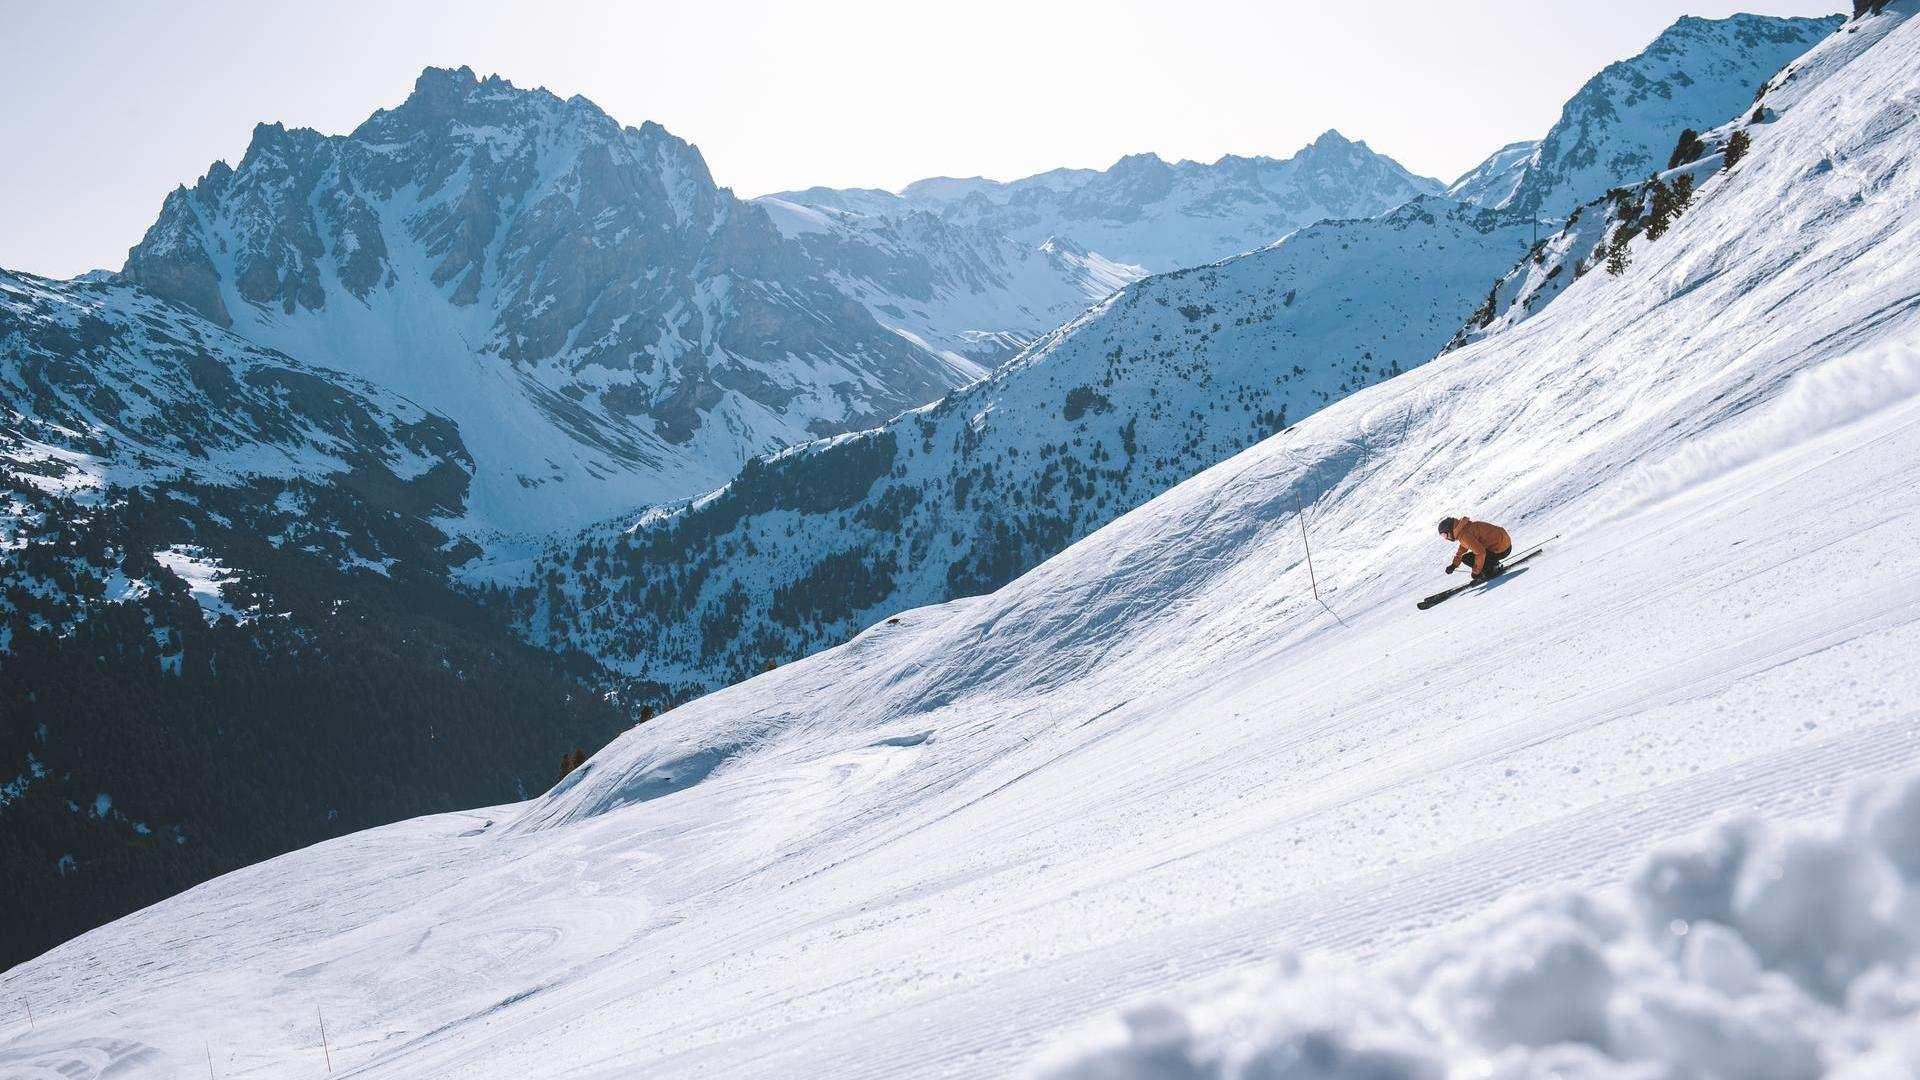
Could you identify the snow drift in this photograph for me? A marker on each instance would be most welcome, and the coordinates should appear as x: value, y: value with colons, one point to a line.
x: 1752, y: 951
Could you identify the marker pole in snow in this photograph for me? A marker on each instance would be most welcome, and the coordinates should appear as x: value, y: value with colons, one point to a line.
x: 324, y: 1048
x: 1311, y: 577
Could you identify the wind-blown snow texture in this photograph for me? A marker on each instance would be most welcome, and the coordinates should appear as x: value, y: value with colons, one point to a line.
x: 607, y: 326
x: 1622, y: 124
x: 1154, y: 759
x: 1150, y: 213
x: 1173, y: 374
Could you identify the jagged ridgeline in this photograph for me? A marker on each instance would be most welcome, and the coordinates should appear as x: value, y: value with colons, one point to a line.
x: 980, y: 268
x: 1604, y: 231
x: 225, y: 624
x: 1170, y: 375
x: 1621, y: 124
x: 607, y: 326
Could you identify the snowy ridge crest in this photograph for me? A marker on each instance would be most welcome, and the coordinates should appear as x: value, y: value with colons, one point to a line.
x: 1621, y: 125
x: 1146, y: 212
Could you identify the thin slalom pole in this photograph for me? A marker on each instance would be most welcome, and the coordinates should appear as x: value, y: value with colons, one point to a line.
x: 1311, y: 576
x: 323, y: 1039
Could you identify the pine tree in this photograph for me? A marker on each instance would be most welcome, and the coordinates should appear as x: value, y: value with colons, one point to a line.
x: 1737, y: 146
x: 1682, y: 193
x: 1662, y: 213
x: 1687, y: 149
x: 1618, y: 258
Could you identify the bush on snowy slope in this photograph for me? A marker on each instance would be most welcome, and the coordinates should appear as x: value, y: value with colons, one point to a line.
x: 1751, y: 952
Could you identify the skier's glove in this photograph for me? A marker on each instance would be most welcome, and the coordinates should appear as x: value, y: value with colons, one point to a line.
x: 1451, y: 568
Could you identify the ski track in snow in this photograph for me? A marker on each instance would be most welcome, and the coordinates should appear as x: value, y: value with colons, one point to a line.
x: 1154, y: 761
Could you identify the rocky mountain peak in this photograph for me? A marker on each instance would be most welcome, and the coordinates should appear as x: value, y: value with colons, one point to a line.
x: 499, y: 252
x: 1622, y: 123
x: 1137, y: 168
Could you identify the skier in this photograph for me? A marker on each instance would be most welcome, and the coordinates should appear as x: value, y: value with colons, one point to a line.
x: 1482, y: 546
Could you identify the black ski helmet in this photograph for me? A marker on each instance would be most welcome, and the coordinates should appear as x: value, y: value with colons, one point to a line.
x: 1447, y: 524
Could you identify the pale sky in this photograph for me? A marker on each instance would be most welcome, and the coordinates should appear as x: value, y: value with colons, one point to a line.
x: 105, y: 106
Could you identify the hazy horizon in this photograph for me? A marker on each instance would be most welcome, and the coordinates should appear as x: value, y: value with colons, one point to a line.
x: 118, y: 103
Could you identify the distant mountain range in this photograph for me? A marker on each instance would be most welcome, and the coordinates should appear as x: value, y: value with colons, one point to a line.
x: 980, y: 268
x: 1157, y: 215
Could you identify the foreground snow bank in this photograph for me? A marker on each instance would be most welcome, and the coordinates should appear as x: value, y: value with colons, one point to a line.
x: 1750, y: 952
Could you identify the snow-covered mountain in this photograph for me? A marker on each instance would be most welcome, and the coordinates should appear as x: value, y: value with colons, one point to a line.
x: 1493, y: 181
x: 606, y: 325
x: 1166, y: 377
x: 104, y: 385
x: 1157, y: 760
x: 1160, y: 216
x: 962, y: 290
x: 225, y: 627
x: 1611, y: 222
x: 1621, y: 126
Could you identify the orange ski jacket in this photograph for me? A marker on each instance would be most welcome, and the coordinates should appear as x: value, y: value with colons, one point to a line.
x: 1481, y: 538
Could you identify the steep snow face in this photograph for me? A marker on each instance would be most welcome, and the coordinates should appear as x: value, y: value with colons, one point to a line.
x: 969, y: 293
x: 1146, y: 212
x: 1156, y: 759
x: 1623, y: 124
x: 1492, y: 182
x: 1171, y: 375
x: 607, y: 326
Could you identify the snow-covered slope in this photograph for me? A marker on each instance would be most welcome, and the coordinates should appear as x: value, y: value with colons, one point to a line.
x: 1156, y: 759
x: 1622, y: 125
x: 607, y: 326
x: 1492, y: 182
x: 1163, y: 379
x: 1146, y: 212
x: 965, y: 291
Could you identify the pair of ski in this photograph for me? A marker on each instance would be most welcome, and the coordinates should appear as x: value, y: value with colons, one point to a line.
x: 1504, y: 567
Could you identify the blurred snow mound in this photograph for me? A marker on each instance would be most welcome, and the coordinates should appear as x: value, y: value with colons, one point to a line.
x: 1749, y: 952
